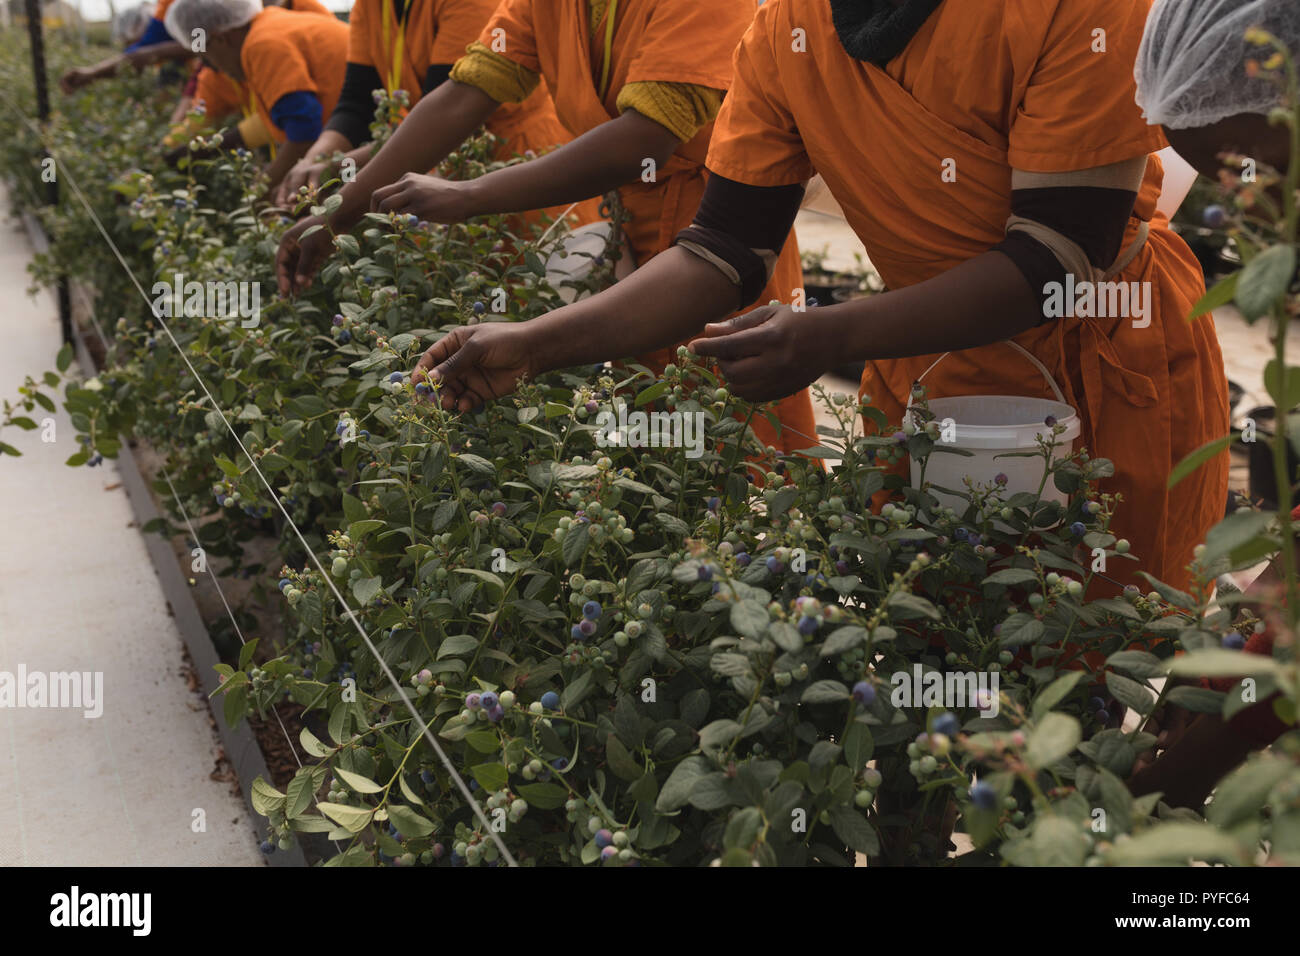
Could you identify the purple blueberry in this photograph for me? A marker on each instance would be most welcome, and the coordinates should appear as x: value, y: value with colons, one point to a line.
x: 609, y: 852
x: 587, y: 626
x: 1000, y: 478
x: 496, y: 713
x: 947, y: 724
x: 473, y: 701
x: 1233, y: 641
x: 499, y: 508
x: 841, y: 567
x: 1050, y: 421
x: 705, y: 573
x: 864, y: 693
x: 984, y: 796
x: 338, y: 319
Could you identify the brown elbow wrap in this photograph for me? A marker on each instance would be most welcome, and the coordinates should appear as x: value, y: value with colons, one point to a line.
x: 739, y: 263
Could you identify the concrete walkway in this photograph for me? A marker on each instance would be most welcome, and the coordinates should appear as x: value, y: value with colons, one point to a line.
x: 132, y: 786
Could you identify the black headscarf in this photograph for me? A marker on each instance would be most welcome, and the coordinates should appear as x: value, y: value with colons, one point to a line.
x: 876, y: 30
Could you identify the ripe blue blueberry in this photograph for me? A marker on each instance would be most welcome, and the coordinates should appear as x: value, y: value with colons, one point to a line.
x: 984, y: 796
x: 423, y: 388
x: 1050, y: 421
x: 284, y: 583
x: 479, y: 308
x: 947, y: 724
x: 576, y: 634
x: 775, y: 566
x: 1214, y: 216
x: 396, y: 377
x: 864, y: 693
x: 743, y: 559
x: 551, y: 700
x: 705, y: 573
x: 807, y: 625
x: 1096, y: 703
x: 1077, y: 529
x: 267, y: 847
x: 345, y: 337
x: 591, y: 610
x: 488, y: 700
x: 1233, y: 641
x: 427, y: 778
x: 961, y: 534
x: 714, y: 503
x: 604, y: 838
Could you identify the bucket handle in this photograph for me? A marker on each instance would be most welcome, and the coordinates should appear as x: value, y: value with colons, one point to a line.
x: 1056, y: 389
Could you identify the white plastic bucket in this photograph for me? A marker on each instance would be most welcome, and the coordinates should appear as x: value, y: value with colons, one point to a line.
x: 991, y: 425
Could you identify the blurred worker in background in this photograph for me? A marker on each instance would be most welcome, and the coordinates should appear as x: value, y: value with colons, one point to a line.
x: 292, y: 64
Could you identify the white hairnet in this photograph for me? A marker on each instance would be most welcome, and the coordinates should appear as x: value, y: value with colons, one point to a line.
x: 210, y: 16
x: 1191, y: 67
x: 131, y: 23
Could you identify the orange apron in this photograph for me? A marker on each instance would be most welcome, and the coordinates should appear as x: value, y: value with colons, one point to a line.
x: 571, y: 60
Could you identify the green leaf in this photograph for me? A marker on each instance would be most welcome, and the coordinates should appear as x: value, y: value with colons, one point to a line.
x: 825, y: 692
x: 366, y: 589
x: 1221, y: 293
x: 356, y: 781
x: 543, y: 796
x: 1055, y: 692
x: 575, y: 544
x: 1264, y: 281
x: 408, y: 822
x: 841, y: 639
x: 64, y: 358
x: 1054, y: 737
x: 749, y: 618
x: 1012, y: 576
x: 711, y: 792
x: 299, y: 793
x: 852, y: 827
x: 476, y: 464
x: 1129, y: 692
x: 1242, y: 794
x: 1197, y: 458
x: 1235, y: 531
x: 620, y: 761
x: 312, y: 744
x: 352, y: 819
x: 265, y: 798
x: 677, y: 788
x: 1199, y: 700
x: 576, y: 690
x: 1137, y: 663
x: 1282, y: 383
x: 858, y: 746
x: 1167, y: 844
x: 650, y: 393
x: 490, y: 776
x: 1221, y: 662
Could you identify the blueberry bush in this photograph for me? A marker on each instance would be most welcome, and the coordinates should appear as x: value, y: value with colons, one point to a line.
x: 634, y: 656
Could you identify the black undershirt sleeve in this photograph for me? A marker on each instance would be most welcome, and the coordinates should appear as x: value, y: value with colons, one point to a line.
x: 736, y: 221
x: 355, y: 109
x: 436, y: 75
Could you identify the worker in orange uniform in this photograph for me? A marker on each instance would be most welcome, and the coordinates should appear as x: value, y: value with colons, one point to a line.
x: 637, y: 82
x: 291, y: 63
x: 411, y: 45
x: 220, y: 96
x: 988, y: 155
